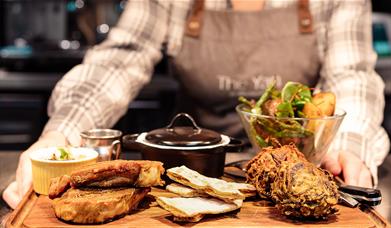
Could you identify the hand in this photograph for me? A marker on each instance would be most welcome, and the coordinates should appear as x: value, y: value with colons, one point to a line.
x: 353, y: 170
x: 16, y: 190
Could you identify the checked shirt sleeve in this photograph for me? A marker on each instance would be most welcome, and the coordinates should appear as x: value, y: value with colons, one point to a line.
x: 348, y: 71
x: 96, y: 93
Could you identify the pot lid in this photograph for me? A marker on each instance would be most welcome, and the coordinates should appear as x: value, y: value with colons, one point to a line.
x: 183, y: 135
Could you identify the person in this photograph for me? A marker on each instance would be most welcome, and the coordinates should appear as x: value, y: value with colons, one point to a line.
x: 220, y: 49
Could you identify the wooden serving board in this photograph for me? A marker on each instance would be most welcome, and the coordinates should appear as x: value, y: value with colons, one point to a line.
x: 36, y: 211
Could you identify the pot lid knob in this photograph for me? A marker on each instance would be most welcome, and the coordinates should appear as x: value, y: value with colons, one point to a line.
x: 174, y: 135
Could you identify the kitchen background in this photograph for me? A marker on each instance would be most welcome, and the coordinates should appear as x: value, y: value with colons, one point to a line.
x: 40, y: 40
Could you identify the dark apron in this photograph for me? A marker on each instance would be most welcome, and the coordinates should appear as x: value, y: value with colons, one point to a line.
x: 226, y: 54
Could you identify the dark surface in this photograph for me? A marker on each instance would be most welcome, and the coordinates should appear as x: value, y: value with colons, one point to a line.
x: 24, y: 95
x: 381, y: 6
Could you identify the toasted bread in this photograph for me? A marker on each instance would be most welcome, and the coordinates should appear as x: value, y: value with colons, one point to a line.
x: 193, y: 209
x: 195, y: 218
x: 185, y: 191
x: 119, y: 173
x: 59, y: 185
x: 227, y: 191
x: 91, y: 206
x: 246, y: 189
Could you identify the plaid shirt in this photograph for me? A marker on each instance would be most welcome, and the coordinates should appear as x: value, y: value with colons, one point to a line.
x: 96, y: 93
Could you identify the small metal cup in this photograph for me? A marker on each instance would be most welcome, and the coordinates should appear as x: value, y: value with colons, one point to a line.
x: 105, y: 141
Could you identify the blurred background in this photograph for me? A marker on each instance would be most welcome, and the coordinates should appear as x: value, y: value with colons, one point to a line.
x: 40, y: 40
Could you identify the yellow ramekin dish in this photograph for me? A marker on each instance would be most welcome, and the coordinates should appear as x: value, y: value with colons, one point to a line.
x: 43, y: 169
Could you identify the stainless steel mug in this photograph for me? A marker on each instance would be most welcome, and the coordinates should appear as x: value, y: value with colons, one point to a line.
x: 105, y: 141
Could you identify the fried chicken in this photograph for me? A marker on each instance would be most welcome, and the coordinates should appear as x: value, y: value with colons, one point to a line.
x: 298, y: 187
x: 302, y: 190
x: 262, y: 169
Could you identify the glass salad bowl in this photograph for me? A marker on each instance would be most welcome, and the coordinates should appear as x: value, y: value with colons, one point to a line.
x: 312, y: 136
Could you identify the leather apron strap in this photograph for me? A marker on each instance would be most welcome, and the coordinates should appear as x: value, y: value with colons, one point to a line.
x: 194, y: 22
x: 305, y: 17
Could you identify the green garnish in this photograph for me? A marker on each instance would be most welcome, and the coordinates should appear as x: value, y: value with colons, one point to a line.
x: 265, y: 96
x: 65, y: 154
x: 294, y: 96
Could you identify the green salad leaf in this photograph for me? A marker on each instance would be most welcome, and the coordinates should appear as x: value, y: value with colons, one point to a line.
x: 285, y: 110
x: 296, y: 95
x: 65, y: 154
x: 289, y: 91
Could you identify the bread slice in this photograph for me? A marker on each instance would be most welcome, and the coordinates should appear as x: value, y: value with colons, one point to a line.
x: 92, y: 206
x: 185, y: 191
x: 193, y: 209
x: 195, y: 218
x: 227, y: 191
x: 59, y: 185
x: 119, y: 173
x: 246, y: 189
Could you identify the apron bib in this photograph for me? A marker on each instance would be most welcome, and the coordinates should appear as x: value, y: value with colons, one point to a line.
x: 227, y: 54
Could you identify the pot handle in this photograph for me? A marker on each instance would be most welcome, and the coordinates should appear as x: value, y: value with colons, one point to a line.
x: 129, y: 143
x: 234, y: 145
x: 171, y: 126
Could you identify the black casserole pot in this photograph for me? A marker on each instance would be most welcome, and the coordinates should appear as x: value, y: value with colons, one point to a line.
x: 199, y: 149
